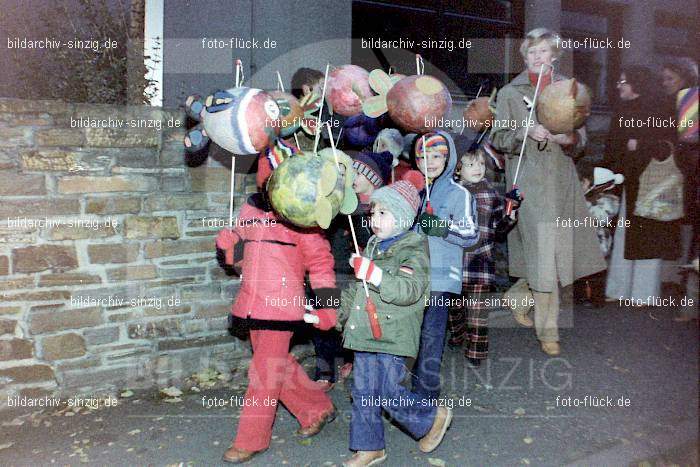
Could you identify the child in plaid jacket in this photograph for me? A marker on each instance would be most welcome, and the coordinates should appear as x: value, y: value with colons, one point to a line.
x: 468, y: 317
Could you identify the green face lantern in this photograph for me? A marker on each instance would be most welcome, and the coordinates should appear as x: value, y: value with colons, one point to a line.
x: 309, y: 189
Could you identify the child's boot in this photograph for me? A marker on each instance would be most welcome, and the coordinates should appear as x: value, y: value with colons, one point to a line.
x: 366, y: 458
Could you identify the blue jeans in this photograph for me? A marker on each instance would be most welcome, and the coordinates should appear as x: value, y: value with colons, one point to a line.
x: 426, y: 371
x: 377, y: 385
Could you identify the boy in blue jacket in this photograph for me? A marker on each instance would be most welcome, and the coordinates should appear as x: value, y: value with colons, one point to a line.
x: 449, y: 221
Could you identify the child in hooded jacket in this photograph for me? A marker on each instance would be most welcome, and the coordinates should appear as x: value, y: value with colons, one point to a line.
x: 448, y: 219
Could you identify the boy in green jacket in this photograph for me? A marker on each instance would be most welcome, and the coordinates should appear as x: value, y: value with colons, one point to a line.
x: 396, y: 268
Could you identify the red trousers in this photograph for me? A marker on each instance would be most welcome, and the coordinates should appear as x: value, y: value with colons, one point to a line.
x: 276, y: 377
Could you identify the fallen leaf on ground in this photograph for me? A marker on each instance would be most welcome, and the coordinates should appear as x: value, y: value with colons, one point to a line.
x: 172, y: 400
x: 15, y: 422
x: 134, y: 432
x: 519, y: 411
x: 5, y: 445
x: 527, y: 440
x: 127, y: 393
x: 305, y: 442
x: 172, y: 391
x: 435, y: 461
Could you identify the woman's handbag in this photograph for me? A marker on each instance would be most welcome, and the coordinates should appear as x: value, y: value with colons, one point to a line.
x: 660, y: 194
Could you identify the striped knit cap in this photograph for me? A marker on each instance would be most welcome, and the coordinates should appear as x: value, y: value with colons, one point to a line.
x: 433, y: 143
x: 375, y: 166
x: 402, y: 200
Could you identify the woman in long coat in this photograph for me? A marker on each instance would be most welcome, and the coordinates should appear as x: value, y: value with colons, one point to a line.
x: 554, y: 241
x: 640, y: 244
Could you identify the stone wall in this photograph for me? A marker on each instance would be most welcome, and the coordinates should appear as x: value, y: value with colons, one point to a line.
x: 108, y: 277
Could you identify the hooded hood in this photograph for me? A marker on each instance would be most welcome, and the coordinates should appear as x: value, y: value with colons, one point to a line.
x: 451, y: 162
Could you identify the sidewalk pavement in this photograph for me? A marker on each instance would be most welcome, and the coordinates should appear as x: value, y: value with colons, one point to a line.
x: 517, y: 409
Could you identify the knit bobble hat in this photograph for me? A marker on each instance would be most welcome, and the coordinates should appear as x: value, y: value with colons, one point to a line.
x: 375, y: 166
x: 402, y: 199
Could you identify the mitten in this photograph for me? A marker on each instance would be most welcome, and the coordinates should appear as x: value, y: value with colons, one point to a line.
x: 504, y: 226
x: 365, y: 269
x: 230, y: 243
x: 432, y: 225
x: 516, y: 195
x: 326, y: 318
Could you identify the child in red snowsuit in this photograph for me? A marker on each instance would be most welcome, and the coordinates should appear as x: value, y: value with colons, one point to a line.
x: 274, y: 258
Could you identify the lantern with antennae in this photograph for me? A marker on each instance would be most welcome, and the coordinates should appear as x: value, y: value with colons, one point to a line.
x: 346, y: 89
x: 309, y: 190
x: 415, y: 103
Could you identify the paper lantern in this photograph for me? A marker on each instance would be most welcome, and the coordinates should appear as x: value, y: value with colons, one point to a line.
x: 479, y: 113
x: 417, y: 103
x: 241, y: 120
x: 563, y: 106
x: 291, y: 112
x: 347, y: 87
x: 309, y: 190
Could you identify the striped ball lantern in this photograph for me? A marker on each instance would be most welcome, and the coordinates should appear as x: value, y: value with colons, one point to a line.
x: 242, y: 120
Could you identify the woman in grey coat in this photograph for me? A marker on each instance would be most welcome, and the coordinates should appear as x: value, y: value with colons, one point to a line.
x: 553, y: 243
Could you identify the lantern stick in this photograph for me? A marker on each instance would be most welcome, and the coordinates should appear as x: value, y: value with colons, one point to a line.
x: 320, y: 111
x: 527, y: 127
x: 233, y: 183
x: 425, y: 167
x: 420, y: 65
x: 239, y: 81
x: 352, y: 227
x: 483, y: 133
x: 239, y: 73
x: 280, y: 85
x: 478, y: 93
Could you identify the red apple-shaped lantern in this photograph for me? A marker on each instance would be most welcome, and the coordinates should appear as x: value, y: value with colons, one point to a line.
x: 416, y: 103
x: 347, y: 87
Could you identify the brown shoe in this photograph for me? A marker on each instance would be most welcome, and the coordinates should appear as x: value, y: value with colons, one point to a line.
x: 432, y: 440
x: 239, y: 456
x: 523, y: 319
x: 366, y: 458
x: 315, y: 428
x: 550, y: 348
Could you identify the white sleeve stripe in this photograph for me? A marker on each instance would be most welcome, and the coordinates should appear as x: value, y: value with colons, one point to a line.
x: 471, y: 228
